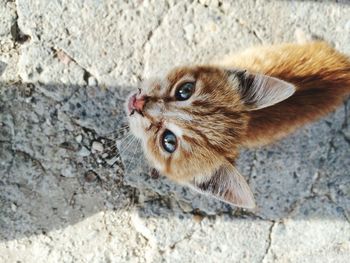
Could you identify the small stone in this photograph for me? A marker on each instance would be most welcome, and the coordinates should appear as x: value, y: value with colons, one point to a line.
x: 79, y: 138
x: 92, y: 81
x: 97, y: 147
x: 90, y: 176
x: 84, y: 152
x: 13, y: 207
x: 112, y: 161
x: 186, y: 207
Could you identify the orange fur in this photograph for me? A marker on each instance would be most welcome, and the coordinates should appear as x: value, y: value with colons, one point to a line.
x: 231, y: 108
x: 202, y: 148
x: 320, y: 74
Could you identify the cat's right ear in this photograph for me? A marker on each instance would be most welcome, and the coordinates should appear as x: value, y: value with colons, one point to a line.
x: 227, y: 185
x: 260, y: 91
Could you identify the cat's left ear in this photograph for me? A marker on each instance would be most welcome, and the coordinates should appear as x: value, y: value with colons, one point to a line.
x: 227, y: 185
x: 260, y: 91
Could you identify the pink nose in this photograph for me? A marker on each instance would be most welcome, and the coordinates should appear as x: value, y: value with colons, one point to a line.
x: 137, y: 103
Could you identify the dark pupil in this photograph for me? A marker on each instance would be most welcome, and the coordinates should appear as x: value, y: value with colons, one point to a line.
x: 185, y: 91
x: 169, y: 141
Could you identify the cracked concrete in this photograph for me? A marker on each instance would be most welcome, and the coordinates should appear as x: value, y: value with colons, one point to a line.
x: 75, y: 188
x: 269, y: 244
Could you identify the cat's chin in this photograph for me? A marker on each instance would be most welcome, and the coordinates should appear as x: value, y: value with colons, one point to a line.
x: 138, y: 125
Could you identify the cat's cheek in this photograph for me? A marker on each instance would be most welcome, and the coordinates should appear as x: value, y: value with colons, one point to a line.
x: 138, y: 126
x: 159, y: 166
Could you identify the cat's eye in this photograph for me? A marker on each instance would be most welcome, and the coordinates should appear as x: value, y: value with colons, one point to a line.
x: 185, y: 91
x: 169, y: 141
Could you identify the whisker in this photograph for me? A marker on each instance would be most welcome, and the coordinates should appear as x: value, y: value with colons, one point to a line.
x: 123, y: 128
x: 120, y: 130
x: 115, y: 150
x: 113, y: 144
x: 133, y: 156
x: 128, y: 145
x: 125, y: 139
x: 116, y: 135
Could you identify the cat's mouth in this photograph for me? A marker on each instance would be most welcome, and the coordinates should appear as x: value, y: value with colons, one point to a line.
x: 135, y: 105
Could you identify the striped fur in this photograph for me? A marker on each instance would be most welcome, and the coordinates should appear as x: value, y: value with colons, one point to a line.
x: 218, y: 119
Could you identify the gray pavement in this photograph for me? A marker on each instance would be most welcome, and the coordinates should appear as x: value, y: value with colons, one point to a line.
x: 65, y: 68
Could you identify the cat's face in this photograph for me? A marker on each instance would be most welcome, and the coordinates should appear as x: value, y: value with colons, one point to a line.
x: 189, y: 122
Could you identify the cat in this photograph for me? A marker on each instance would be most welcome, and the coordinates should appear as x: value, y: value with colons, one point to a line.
x: 192, y: 122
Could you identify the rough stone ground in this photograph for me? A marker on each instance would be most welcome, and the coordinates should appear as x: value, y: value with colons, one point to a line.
x: 65, y: 67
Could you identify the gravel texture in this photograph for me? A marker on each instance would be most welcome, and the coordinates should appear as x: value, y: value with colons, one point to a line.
x: 75, y: 188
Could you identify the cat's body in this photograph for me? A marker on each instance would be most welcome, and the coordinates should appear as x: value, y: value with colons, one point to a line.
x: 193, y: 122
x: 320, y: 74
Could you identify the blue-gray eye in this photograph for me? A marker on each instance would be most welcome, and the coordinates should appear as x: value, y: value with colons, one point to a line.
x: 169, y: 141
x: 185, y: 91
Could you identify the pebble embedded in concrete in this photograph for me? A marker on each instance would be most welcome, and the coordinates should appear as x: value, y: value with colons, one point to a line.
x: 97, y: 147
x: 84, y: 152
x: 90, y: 176
x: 79, y: 138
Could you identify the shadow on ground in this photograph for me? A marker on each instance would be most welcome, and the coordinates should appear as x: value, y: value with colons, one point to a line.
x: 58, y: 165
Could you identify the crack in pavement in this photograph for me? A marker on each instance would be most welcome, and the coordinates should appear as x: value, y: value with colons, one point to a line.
x: 87, y: 74
x: 151, y: 34
x: 17, y: 34
x: 269, y: 245
x: 158, y: 25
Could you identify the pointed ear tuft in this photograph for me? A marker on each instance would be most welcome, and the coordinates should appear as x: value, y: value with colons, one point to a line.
x: 260, y: 91
x: 227, y: 185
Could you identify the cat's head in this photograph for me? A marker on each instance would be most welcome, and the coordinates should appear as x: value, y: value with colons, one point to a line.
x: 192, y: 121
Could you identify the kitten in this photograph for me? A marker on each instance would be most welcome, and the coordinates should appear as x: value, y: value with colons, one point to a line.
x: 193, y: 121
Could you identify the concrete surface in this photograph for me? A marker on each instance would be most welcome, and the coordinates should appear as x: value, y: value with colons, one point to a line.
x: 65, y: 67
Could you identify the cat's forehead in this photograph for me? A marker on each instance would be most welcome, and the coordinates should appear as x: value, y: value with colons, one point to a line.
x: 162, y: 86
x: 178, y: 74
x: 207, y: 75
